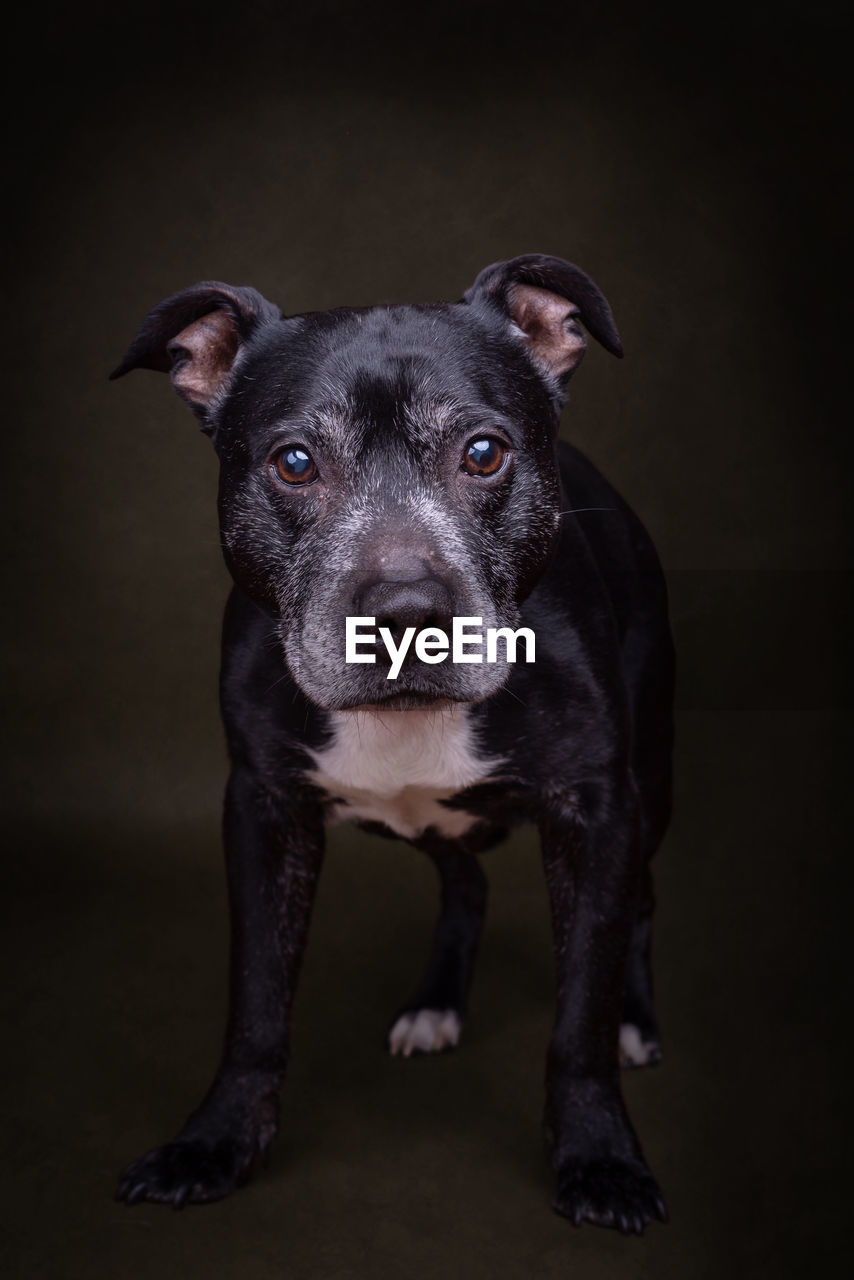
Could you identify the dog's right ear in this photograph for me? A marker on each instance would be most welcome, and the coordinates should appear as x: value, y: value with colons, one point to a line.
x: 195, y: 336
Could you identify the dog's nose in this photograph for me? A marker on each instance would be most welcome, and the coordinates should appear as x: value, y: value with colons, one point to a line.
x: 421, y: 603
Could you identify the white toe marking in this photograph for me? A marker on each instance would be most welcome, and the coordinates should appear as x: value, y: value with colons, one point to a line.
x: 634, y: 1050
x: 427, y: 1029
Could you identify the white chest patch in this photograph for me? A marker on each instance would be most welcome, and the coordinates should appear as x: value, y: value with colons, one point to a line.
x: 395, y: 767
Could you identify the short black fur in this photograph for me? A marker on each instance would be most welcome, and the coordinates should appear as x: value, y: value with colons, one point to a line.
x: 385, y: 400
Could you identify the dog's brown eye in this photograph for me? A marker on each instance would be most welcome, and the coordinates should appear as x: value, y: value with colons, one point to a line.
x: 295, y: 465
x: 484, y: 457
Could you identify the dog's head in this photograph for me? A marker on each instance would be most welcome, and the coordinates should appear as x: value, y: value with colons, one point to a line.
x: 395, y: 462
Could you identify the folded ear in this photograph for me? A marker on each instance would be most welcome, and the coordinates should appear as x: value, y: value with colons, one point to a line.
x: 546, y: 300
x: 195, y: 336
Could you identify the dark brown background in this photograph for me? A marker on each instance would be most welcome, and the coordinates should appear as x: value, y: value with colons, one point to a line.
x: 693, y: 164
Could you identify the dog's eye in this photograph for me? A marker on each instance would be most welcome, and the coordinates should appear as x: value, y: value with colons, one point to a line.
x: 295, y: 465
x: 484, y: 457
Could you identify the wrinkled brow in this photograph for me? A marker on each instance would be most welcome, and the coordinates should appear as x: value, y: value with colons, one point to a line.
x: 336, y: 423
x: 432, y: 419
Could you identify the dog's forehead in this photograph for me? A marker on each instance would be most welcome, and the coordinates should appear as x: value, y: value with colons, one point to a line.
x: 400, y: 353
x: 401, y: 363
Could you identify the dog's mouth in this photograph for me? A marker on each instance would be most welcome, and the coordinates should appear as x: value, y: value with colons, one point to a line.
x: 410, y: 700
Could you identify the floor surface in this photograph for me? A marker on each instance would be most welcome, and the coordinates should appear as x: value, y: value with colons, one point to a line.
x: 435, y: 1166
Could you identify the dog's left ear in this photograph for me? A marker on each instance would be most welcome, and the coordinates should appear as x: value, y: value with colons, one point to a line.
x: 546, y: 300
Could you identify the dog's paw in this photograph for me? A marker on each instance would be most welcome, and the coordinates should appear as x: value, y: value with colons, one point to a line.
x: 609, y: 1193
x: 637, y: 1049
x: 186, y: 1172
x: 424, y: 1031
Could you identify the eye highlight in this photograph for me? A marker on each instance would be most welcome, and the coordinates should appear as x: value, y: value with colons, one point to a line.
x: 484, y: 457
x: 295, y: 465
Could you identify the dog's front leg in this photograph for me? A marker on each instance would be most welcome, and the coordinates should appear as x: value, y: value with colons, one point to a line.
x: 274, y: 848
x: 590, y: 853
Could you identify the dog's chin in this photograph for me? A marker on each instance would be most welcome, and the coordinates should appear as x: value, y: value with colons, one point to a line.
x: 404, y: 701
x: 413, y: 699
x: 408, y: 694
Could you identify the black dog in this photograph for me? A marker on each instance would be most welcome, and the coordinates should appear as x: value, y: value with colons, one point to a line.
x: 400, y: 464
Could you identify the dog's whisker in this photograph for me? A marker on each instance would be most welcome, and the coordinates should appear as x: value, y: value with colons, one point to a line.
x: 276, y: 684
x: 577, y: 511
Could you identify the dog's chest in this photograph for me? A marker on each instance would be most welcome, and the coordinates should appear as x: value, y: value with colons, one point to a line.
x: 397, y: 767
